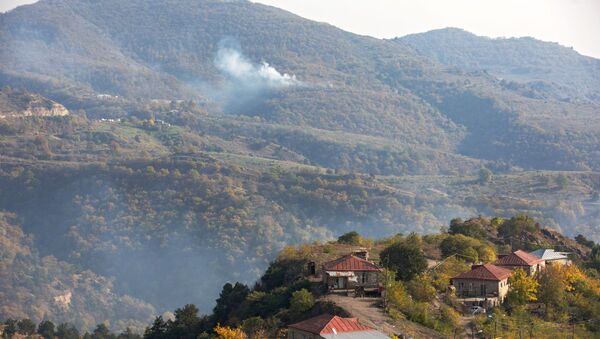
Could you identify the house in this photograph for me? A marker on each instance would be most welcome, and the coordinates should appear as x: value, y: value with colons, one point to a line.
x: 521, y: 259
x: 350, y: 272
x: 484, y: 285
x: 332, y: 326
x: 552, y: 257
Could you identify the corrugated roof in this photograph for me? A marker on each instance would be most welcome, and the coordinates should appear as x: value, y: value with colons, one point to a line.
x: 486, y: 272
x: 549, y: 254
x: 518, y: 258
x: 356, y: 335
x: 330, y: 324
x: 350, y: 263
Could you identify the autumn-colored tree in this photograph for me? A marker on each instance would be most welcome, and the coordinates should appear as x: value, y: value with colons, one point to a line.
x: 552, y: 289
x: 226, y: 332
x: 523, y: 288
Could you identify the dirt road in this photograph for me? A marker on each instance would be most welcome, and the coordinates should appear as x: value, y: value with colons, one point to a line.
x: 369, y: 312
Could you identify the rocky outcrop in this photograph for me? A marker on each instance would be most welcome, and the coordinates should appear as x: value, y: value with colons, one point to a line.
x: 24, y: 104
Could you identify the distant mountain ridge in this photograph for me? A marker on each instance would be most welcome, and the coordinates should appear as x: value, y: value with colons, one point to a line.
x: 546, y: 66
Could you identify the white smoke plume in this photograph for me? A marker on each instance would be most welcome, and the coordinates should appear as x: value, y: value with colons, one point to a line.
x: 231, y: 62
x: 247, y: 85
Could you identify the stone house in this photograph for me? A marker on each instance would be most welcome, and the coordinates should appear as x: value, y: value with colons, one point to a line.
x: 521, y: 259
x: 484, y: 285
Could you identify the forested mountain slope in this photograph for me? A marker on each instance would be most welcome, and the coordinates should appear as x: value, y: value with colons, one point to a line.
x: 548, y: 69
x: 41, y: 288
x: 317, y: 75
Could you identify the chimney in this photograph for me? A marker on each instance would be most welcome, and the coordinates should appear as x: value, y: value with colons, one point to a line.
x: 361, y: 253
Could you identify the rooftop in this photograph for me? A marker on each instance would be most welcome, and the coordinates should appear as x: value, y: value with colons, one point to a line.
x: 518, y: 258
x: 549, y: 254
x: 330, y: 324
x: 486, y: 272
x: 350, y: 263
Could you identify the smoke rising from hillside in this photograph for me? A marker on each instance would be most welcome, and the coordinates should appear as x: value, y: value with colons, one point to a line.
x: 247, y: 84
x: 239, y: 69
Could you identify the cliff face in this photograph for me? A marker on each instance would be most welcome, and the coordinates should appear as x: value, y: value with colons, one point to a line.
x: 24, y: 104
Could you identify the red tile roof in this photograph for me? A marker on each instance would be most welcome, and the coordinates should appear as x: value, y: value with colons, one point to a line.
x: 486, y: 272
x: 518, y: 258
x: 350, y: 263
x: 328, y: 323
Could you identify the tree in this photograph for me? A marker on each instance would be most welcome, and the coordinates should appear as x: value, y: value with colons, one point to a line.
x: 225, y: 332
x: 186, y: 323
x: 470, y: 229
x: 485, y: 175
x: 523, y: 288
x: 517, y: 225
x: 128, y: 334
x: 562, y: 181
x: 102, y: 332
x: 301, y: 301
x: 405, y: 258
x: 552, y: 289
x: 10, y: 328
x: 231, y: 297
x: 67, y: 331
x: 352, y: 238
x: 26, y: 326
x: 46, y: 329
x: 158, y: 329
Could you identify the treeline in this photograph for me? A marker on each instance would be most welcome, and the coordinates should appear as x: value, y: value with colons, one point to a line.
x: 13, y: 328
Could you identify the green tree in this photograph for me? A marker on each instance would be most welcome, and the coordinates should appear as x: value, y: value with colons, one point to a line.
x: 26, y: 326
x: 551, y: 290
x: 352, y: 238
x: 10, y: 328
x: 158, y: 330
x: 102, y: 332
x: 46, y: 329
x: 186, y: 324
x: 230, y: 298
x: 516, y: 225
x: 485, y: 175
x: 470, y: 229
x: 301, y: 301
x: 523, y: 288
x: 67, y: 331
x: 562, y: 181
x: 405, y: 258
x: 128, y: 334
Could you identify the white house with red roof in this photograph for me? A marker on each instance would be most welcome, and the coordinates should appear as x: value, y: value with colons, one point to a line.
x: 331, y: 326
x: 350, y: 272
x: 521, y: 259
x: 484, y: 285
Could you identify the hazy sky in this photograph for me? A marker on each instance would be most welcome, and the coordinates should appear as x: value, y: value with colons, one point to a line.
x: 573, y: 23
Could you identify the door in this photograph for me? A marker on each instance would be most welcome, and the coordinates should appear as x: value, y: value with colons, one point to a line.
x: 341, y: 282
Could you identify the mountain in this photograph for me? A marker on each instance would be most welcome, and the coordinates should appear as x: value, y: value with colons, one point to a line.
x: 41, y: 288
x: 548, y: 69
x: 317, y: 76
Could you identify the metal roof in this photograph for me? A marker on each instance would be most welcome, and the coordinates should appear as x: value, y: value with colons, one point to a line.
x: 485, y: 272
x: 351, y: 263
x: 549, y: 254
x: 518, y: 258
x: 330, y: 324
x: 356, y: 335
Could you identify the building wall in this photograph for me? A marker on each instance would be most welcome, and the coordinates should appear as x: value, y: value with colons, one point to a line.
x: 366, y: 279
x: 472, y: 288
